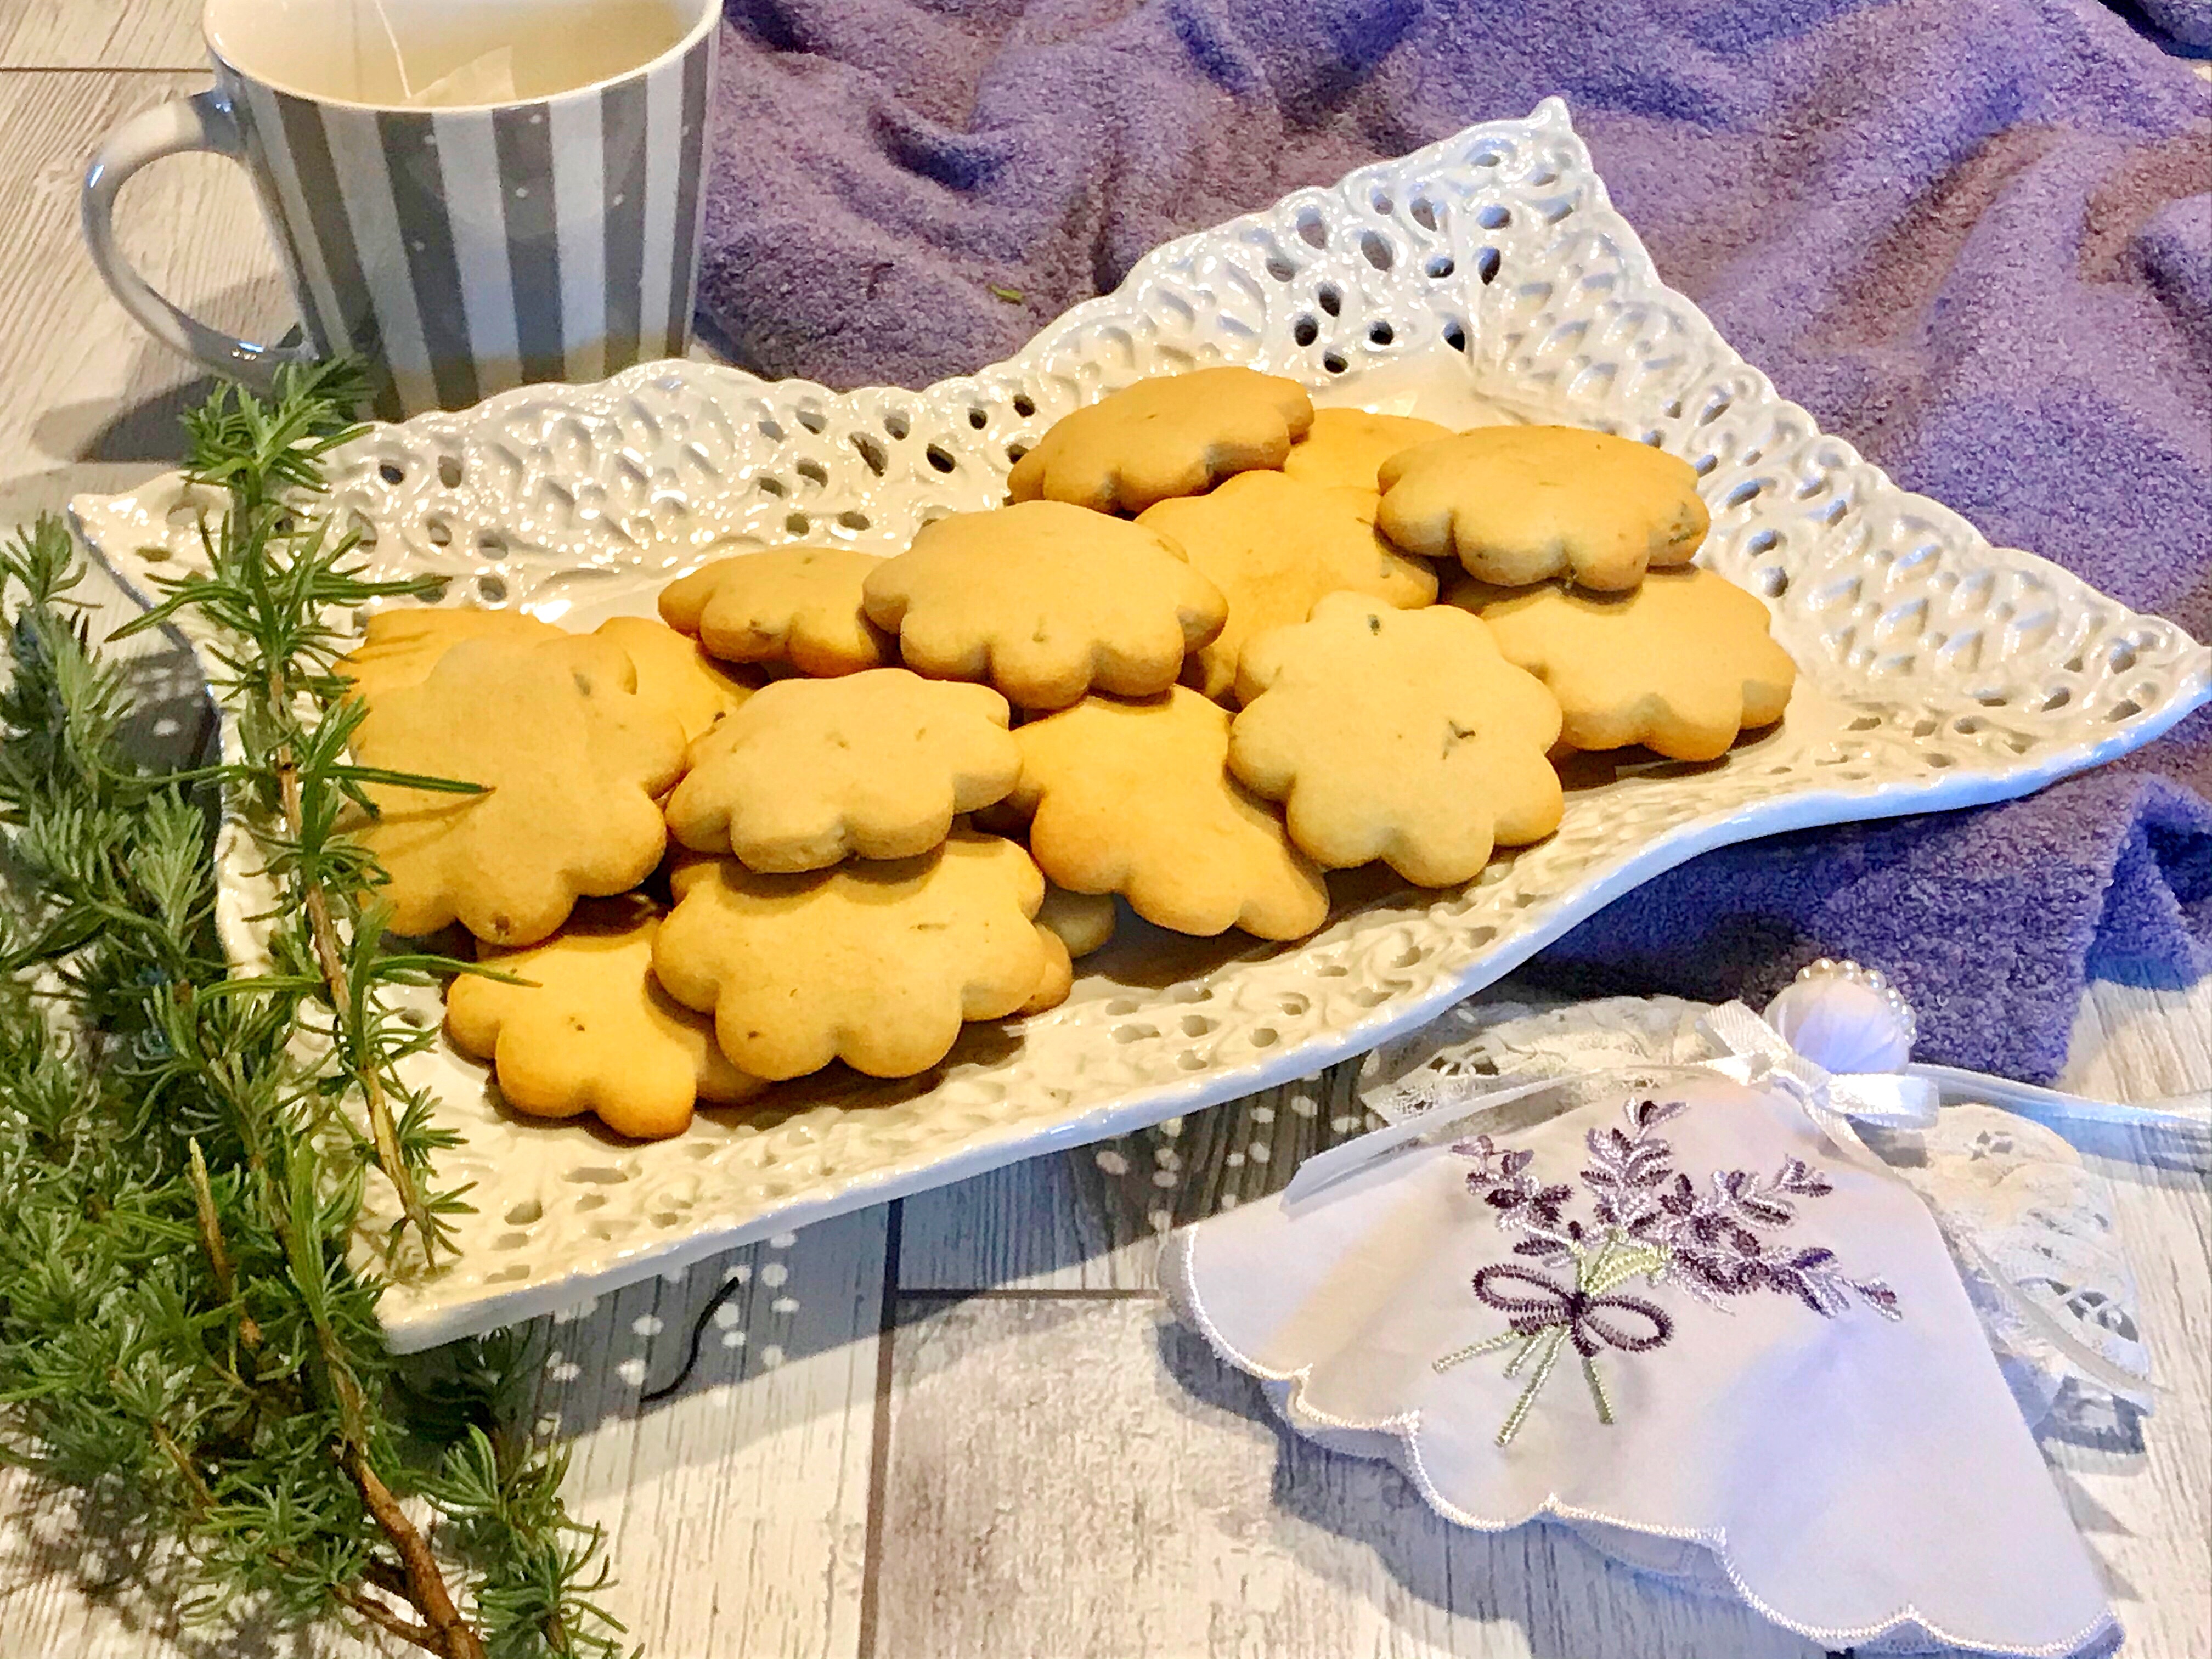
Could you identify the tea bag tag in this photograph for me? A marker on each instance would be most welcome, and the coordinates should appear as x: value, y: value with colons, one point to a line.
x: 486, y: 78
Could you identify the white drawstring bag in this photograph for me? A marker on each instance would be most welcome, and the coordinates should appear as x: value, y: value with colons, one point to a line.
x: 1691, y: 1316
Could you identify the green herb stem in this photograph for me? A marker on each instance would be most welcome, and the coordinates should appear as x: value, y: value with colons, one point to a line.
x: 184, y: 1342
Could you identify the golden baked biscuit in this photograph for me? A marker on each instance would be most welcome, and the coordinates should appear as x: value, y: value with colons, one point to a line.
x: 1397, y: 735
x: 1046, y: 602
x: 1056, y: 979
x: 800, y: 605
x: 1084, y: 922
x: 593, y: 1032
x: 1344, y: 448
x: 873, y: 764
x: 874, y: 964
x: 1680, y: 664
x: 569, y: 759
x: 1521, y: 504
x: 1174, y: 434
x: 674, y: 673
x: 401, y: 647
x: 1276, y: 548
x: 682, y: 868
x: 1136, y: 798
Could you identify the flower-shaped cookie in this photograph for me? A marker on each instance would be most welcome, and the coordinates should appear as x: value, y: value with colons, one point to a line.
x: 675, y: 674
x: 1397, y: 735
x: 1136, y: 798
x: 1175, y: 434
x: 1057, y: 978
x: 1521, y: 503
x: 1047, y: 602
x: 569, y: 759
x: 1346, y: 447
x: 874, y: 764
x: 401, y: 647
x: 874, y: 964
x: 1680, y: 665
x: 593, y: 1031
x: 1276, y: 547
x: 1073, y: 925
x: 800, y: 605
x: 1084, y: 922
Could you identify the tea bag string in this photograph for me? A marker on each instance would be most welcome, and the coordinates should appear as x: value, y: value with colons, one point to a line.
x: 407, y: 88
x: 486, y: 78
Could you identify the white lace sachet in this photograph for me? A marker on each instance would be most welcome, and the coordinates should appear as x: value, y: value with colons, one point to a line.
x: 2030, y: 1227
x: 1686, y: 1323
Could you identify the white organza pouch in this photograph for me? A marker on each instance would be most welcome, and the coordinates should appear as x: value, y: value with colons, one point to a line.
x: 1694, y: 1318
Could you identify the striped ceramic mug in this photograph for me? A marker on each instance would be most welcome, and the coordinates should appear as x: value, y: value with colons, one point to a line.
x: 468, y: 194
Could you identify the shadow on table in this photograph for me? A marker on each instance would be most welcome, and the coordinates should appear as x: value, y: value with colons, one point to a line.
x: 790, y: 1317
x: 148, y: 430
x: 173, y: 724
x: 2097, y: 1524
x: 143, y: 423
x: 1094, y: 1215
x: 99, y: 1549
x: 1560, y: 1591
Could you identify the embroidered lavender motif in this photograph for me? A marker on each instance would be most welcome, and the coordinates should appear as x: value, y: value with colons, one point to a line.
x: 1648, y: 1220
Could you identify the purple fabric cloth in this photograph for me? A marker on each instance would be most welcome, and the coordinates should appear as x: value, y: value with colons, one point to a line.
x: 1972, y: 236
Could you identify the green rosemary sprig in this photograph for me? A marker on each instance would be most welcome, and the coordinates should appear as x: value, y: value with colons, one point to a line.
x: 182, y: 1339
x: 276, y: 577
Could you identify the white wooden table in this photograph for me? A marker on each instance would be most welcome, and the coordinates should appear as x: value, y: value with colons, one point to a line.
x: 962, y: 1425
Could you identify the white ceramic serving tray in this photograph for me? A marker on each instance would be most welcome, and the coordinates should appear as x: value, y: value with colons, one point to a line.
x: 1484, y: 279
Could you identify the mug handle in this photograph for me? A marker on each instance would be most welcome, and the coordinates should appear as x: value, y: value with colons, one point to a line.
x: 202, y: 122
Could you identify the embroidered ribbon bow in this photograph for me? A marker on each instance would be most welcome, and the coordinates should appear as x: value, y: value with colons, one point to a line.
x: 1545, y: 1323
x: 1573, y: 1309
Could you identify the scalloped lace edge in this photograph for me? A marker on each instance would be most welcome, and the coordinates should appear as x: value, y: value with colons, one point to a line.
x: 1178, y: 1282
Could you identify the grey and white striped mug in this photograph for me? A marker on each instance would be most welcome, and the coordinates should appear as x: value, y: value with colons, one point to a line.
x: 467, y: 194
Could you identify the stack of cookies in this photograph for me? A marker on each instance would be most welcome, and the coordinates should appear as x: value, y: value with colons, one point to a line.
x: 1197, y: 661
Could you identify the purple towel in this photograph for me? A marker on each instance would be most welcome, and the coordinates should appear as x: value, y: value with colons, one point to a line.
x: 1974, y: 237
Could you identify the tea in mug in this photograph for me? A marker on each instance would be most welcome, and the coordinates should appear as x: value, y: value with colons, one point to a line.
x: 453, y: 53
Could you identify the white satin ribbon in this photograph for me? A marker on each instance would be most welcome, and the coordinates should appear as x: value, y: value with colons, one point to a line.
x: 2189, y: 1115
x: 1326, y: 1169
x: 1758, y: 1055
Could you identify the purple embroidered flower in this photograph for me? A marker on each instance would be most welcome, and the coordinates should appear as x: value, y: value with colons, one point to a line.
x: 1713, y: 1241
x: 1648, y: 1220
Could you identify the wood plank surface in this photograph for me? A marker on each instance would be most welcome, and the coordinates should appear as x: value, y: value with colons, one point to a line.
x: 736, y: 1509
x: 1091, y: 1480
x: 1092, y: 1218
x: 109, y: 34
x: 2143, y: 1494
x: 87, y: 387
